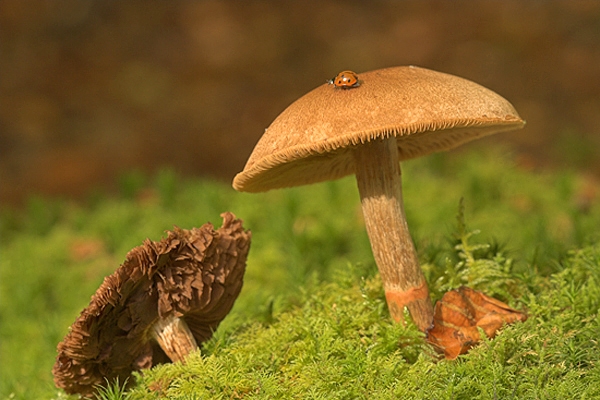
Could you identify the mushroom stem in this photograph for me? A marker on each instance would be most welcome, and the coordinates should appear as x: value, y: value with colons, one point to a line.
x: 174, y: 337
x: 380, y: 187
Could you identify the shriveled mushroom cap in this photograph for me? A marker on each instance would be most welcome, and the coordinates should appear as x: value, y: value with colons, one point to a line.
x: 427, y: 111
x: 194, y: 274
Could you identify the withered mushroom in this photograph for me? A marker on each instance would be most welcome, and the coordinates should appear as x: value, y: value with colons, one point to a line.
x: 394, y: 115
x: 164, y: 299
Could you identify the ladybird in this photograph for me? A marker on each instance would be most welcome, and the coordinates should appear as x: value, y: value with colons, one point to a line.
x: 345, y: 80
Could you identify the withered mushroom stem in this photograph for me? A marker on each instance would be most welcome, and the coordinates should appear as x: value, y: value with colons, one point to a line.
x: 174, y: 337
x: 380, y: 186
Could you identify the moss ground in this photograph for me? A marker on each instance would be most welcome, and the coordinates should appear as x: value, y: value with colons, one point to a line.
x: 311, y: 320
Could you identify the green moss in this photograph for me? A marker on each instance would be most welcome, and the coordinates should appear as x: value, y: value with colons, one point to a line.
x: 340, y: 344
x: 311, y: 320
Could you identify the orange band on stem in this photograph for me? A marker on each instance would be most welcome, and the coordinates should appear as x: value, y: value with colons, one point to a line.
x: 402, y: 299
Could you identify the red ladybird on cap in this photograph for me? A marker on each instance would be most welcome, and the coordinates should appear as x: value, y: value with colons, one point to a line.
x: 345, y: 80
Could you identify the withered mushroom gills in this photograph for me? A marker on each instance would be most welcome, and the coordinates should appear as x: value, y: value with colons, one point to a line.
x: 164, y: 299
x: 395, y: 114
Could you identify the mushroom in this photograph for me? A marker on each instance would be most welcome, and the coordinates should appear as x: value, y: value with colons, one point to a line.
x: 395, y: 114
x: 166, y: 297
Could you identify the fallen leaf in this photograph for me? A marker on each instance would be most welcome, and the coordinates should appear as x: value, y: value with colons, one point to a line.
x: 460, y: 314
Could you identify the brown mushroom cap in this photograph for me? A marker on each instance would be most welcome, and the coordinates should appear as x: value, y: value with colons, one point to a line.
x: 191, y: 275
x: 427, y: 111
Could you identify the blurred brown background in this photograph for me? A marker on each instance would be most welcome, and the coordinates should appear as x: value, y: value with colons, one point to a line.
x: 92, y: 88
